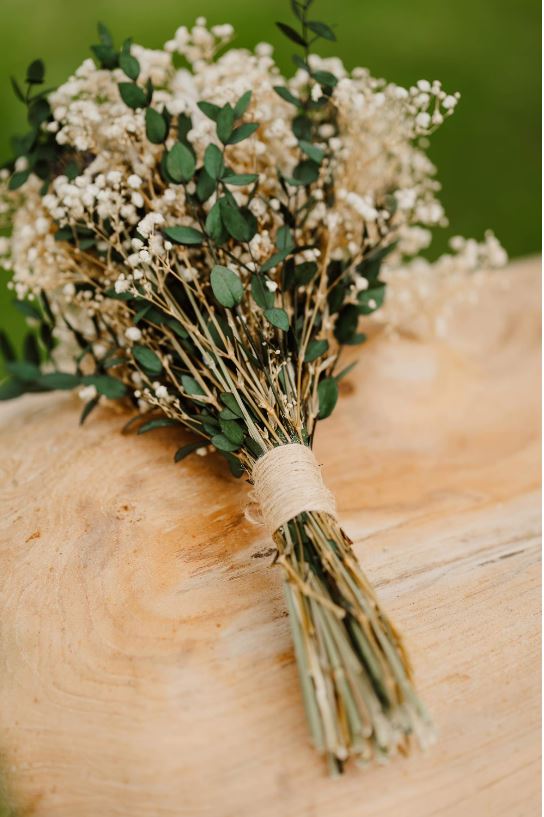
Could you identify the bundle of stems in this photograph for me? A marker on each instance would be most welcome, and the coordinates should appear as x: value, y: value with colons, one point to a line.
x: 213, y: 284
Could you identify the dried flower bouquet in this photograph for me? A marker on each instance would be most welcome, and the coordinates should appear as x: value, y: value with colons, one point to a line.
x: 197, y: 235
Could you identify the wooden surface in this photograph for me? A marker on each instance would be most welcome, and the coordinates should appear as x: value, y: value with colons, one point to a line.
x: 145, y: 657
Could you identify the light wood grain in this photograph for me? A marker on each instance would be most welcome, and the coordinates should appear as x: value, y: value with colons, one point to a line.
x: 145, y: 657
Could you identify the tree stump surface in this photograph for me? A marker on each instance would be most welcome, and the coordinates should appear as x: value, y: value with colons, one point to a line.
x: 146, y: 661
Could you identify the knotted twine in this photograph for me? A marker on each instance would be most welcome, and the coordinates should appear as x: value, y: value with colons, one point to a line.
x: 287, y: 481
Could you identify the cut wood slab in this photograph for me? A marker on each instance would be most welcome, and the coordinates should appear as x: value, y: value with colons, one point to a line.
x: 146, y: 661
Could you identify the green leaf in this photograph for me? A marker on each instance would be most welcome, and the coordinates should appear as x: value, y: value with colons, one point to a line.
x: 39, y: 111
x: 62, y: 381
x: 293, y: 35
x: 227, y: 414
x: 345, y: 371
x: 369, y: 300
x: 278, y: 318
x: 304, y: 272
x: 191, y: 386
x: 240, y: 179
x: 160, y: 422
x: 306, y: 171
x: 205, y: 185
x: 156, y: 128
x: 286, y: 95
x: 87, y: 408
x: 129, y: 65
x: 11, y: 388
x: 230, y: 401
x: 18, y: 179
x: 110, y: 387
x: 35, y: 73
x: 276, y: 259
x: 180, y: 163
x: 214, y: 224
x: 227, y: 286
x: 312, y: 151
x: 242, y: 105
x: 262, y: 296
x: 185, y: 450
x: 225, y: 122
x: 346, y: 323
x: 325, y: 78
x: 240, y: 224
x: 132, y: 95
x: 106, y: 55
x: 209, y: 109
x: 222, y: 443
x: 243, y: 132
x: 233, y: 431
x: 17, y: 90
x: 321, y: 29
x: 214, y: 162
x: 315, y: 349
x: 184, y: 235
x: 104, y: 34
x: 147, y: 359
x: 327, y: 393
x: 22, y: 370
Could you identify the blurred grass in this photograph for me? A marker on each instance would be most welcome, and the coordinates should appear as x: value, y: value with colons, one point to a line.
x: 487, y: 154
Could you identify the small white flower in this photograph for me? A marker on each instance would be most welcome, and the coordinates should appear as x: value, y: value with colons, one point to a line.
x: 449, y: 102
x: 133, y: 333
x: 87, y: 393
x: 134, y: 181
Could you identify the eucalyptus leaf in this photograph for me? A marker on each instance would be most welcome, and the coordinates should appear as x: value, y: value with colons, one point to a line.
x: 262, y: 296
x: 185, y: 450
x: 180, y: 163
x: 214, y: 161
x: 11, y: 388
x: 278, y: 318
x: 132, y: 95
x: 129, y: 65
x: 110, y: 387
x: 191, y: 386
x: 316, y: 349
x: 156, y: 128
x: 147, y: 359
x: 227, y: 286
x: 327, y: 392
x: 222, y: 443
x: 243, y: 132
x: 184, y: 235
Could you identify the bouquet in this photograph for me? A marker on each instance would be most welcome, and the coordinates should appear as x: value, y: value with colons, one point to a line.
x: 198, y: 236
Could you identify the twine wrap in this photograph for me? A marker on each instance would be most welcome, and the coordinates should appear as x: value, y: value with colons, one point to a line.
x: 287, y: 482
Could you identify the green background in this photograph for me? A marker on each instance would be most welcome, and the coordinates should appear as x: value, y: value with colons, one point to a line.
x: 487, y: 153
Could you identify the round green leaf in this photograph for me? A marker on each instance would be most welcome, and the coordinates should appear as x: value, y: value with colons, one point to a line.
x: 156, y: 128
x: 315, y: 349
x: 227, y: 286
x: 180, y: 163
x: 132, y: 95
x: 278, y: 318
x: 129, y: 65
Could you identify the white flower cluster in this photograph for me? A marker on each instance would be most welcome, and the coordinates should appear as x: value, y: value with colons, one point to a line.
x: 422, y: 296
x: 383, y: 180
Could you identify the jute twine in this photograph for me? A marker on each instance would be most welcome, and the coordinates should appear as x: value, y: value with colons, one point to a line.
x: 287, y: 482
